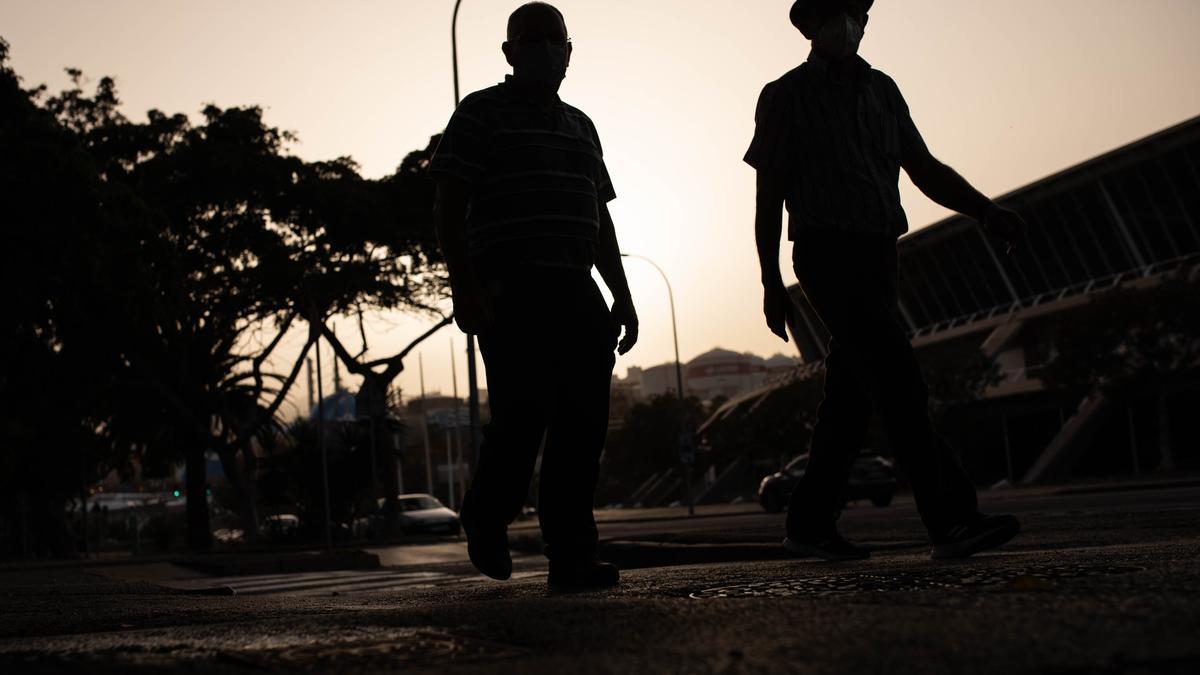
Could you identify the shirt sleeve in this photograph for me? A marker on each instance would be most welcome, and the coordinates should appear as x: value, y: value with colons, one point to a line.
x: 462, y: 152
x: 911, y: 143
x: 604, y: 187
x: 773, y: 145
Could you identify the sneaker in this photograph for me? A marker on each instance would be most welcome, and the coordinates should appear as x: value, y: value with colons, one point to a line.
x: 581, y: 575
x: 832, y: 547
x: 486, y: 546
x: 981, y: 534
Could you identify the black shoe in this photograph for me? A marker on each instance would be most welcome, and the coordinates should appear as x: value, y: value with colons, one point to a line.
x: 831, y: 547
x: 580, y: 575
x: 486, y: 546
x: 981, y: 534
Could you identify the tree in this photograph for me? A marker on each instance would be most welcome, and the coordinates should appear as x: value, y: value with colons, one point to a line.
x: 180, y: 247
x: 1132, y: 339
x: 647, y: 442
x: 70, y: 261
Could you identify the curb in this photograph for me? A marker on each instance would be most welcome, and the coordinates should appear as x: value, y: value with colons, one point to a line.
x: 639, y: 555
x: 1129, y: 487
x: 533, y: 525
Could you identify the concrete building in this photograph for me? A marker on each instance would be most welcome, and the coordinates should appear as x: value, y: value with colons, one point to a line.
x: 715, y: 374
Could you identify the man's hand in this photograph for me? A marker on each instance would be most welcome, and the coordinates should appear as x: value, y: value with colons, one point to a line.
x: 776, y: 308
x: 472, y: 311
x: 1007, y: 225
x: 625, y: 316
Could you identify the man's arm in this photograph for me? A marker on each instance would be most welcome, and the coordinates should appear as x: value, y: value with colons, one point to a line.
x: 768, y: 227
x: 945, y: 186
x: 450, y: 224
x: 612, y: 270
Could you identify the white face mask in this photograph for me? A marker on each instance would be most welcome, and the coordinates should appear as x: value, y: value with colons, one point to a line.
x: 840, y: 36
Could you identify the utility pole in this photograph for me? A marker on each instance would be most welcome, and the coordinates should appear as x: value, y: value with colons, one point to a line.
x: 687, y: 452
x: 472, y: 372
x: 425, y: 428
x: 455, y: 457
x: 324, y: 451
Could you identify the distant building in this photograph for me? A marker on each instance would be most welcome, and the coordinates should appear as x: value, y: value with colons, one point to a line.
x: 721, y: 373
x: 340, y: 405
x: 718, y: 373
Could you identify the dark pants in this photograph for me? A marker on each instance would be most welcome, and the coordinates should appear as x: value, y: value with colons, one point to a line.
x: 851, y: 283
x: 549, y: 360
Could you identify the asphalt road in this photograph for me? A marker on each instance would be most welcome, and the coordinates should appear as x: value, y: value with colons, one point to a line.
x: 1105, y: 582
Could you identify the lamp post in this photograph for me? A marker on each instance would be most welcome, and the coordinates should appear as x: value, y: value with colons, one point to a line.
x: 472, y: 374
x: 685, y: 459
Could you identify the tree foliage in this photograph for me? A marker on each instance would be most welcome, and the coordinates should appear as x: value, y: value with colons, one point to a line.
x: 162, y: 261
x: 1158, y: 339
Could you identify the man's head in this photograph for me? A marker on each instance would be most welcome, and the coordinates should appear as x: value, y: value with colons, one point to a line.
x: 538, y: 47
x: 835, y: 26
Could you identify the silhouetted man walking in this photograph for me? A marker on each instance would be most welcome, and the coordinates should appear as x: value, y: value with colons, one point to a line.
x: 830, y: 139
x: 522, y: 218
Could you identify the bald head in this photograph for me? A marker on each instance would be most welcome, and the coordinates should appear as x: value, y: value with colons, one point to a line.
x: 535, y: 17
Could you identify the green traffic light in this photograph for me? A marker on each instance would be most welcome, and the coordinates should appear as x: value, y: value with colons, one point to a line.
x: 176, y: 493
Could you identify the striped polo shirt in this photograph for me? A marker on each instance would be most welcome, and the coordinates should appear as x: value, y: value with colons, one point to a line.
x: 841, y: 143
x: 537, y: 178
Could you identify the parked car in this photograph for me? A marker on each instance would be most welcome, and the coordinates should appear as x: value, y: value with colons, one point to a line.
x: 872, y: 478
x: 280, y: 527
x: 419, y: 513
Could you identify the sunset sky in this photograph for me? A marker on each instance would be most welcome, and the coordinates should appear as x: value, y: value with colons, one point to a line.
x: 1006, y: 92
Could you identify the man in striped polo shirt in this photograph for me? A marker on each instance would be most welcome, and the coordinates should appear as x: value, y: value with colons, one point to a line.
x: 831, y: 137
x: 522, y: 218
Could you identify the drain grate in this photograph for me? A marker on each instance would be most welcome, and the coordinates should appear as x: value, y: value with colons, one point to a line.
x: 1026, y: 577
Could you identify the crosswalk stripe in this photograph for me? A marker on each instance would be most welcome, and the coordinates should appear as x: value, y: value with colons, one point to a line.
x: 382, y: 585
x: 252, y: 582
x: 255, y: 578
x: 345, y: 582
x: 325, y: 582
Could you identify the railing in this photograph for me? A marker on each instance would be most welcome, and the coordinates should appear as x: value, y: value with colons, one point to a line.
x: 1082, y: 288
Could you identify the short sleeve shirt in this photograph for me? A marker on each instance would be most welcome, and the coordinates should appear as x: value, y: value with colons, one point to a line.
x: 537, y: 178
x: 841, y: 145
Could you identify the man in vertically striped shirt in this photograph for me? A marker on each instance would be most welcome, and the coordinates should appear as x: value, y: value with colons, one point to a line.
x: 831, y: 137
x: 522, y: 218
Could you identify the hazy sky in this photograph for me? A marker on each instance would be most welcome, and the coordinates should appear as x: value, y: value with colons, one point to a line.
x: 1006, y: 92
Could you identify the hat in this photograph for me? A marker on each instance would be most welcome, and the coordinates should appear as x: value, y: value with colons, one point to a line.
x: 804, y: 8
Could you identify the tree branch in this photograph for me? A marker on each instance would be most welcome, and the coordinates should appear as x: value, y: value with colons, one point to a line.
x: 397, y: 362
x: 245, y: 433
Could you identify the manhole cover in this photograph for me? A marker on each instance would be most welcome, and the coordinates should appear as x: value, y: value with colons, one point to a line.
x: 1027, y: 577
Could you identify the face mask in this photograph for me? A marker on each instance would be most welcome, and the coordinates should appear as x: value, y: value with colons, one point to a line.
x: 542, y: 66
x: 840, y: 36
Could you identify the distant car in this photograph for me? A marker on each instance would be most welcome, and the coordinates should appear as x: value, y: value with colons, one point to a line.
x: 418, y: 513
x: 280, y: 526
x: 872, y: 478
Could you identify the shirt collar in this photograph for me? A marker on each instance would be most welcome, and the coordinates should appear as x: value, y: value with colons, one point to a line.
x: 515, y: 91
x: 823, y: 65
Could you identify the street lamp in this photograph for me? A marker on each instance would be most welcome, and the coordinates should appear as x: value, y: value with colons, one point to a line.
x: 472, y: 374
x: 684, y: 459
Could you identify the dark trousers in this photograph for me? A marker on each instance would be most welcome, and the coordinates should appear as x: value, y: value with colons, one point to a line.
x: 549, y: 360
x: 850, y: 280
